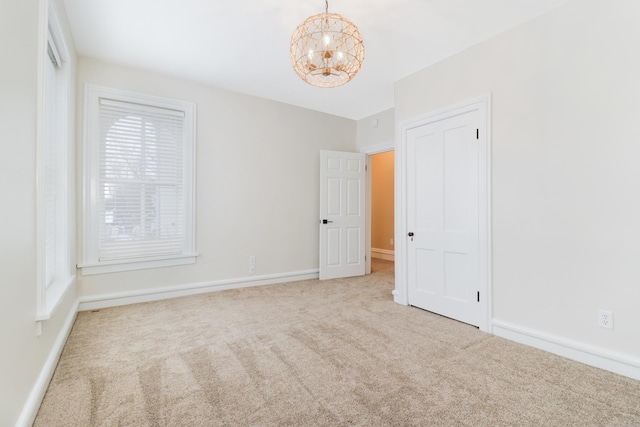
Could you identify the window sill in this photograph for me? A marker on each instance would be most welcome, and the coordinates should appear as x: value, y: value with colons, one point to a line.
x: 139, y: 264
x: 54, y: 294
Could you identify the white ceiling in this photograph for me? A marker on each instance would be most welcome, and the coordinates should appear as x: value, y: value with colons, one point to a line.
x: 243, y: 45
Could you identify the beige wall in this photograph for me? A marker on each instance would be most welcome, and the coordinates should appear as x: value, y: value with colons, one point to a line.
x: 23, y: 354
x: 257, y: 181
x: 376, y: 130
x: 382, y: 201
x: 565, y: 158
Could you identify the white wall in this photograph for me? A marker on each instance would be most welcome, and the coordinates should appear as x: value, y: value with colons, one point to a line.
x: 565, y: 153
x: 382, y: 132
x: 23, y: 355
x: 257, y: 181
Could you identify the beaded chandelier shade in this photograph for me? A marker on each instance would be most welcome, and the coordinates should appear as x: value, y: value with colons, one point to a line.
x: 327, y: 50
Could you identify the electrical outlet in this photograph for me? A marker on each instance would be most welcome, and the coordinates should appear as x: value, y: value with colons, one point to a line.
x: 605, y: 319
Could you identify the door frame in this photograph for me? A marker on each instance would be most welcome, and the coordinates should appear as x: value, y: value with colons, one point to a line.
x: 483, y: 105
x: 370, y: 151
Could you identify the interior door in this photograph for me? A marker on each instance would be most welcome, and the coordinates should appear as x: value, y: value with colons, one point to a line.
x: 443, y: 217
x: 342, y: 214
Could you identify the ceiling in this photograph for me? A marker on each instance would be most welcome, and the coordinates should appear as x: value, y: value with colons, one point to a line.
x: 243, y: 45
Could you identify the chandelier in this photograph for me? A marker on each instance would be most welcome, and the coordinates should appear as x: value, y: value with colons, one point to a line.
x: 327, y: 49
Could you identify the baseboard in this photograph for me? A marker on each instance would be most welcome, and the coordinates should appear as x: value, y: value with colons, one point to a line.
x: 154, y: 294
x: 384, y: 254
x: 32, y: 405
x: 619, y: 363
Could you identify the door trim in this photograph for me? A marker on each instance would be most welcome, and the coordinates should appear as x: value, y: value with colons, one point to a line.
x: 483, y: 105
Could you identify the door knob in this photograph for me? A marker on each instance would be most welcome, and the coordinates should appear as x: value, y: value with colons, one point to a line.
x: 326, y: 221
x: 410, y: 234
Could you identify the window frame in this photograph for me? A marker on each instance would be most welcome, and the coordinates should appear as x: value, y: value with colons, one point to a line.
x: 53, y: 284
x: 91, y: 203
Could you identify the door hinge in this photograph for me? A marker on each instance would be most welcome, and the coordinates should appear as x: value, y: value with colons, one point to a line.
x: 366, y: 167
x: 478, y: 296
x: 477, y: 133
x: 365, y: 257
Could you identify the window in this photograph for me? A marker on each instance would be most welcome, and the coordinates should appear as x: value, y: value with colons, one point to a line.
x: 54, y: 236
x: 52, y: 68
x: 139, y: 181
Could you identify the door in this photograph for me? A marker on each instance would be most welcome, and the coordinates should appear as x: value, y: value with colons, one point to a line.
x: 342, y: 214
x: 442, y: 164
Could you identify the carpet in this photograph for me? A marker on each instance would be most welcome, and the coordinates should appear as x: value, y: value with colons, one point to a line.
x: 316, y: 353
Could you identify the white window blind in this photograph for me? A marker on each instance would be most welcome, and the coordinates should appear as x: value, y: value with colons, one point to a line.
x: 141, y: 192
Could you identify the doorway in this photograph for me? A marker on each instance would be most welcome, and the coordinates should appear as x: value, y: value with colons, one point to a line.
x: 382, y: 211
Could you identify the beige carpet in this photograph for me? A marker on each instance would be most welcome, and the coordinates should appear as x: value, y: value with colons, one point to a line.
x: 334, y: 353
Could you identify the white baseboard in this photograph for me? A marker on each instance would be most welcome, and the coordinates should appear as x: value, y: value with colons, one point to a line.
x: 32, y: 405
x: 384, y: 254
x: 154, y: 294
x: 619, y: 363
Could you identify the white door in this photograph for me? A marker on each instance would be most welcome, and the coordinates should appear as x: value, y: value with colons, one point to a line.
x: 342, y: 214
x: 442, y: 164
